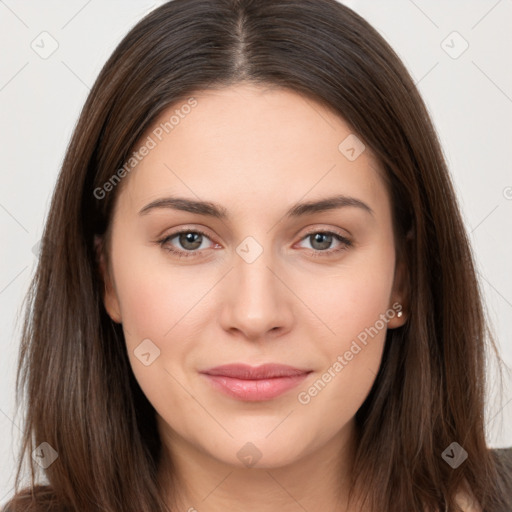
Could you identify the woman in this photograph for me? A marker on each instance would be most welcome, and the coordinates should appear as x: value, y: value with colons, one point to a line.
x: 247, y: 371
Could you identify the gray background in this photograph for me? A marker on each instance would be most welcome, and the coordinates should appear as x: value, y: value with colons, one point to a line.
x: 468, y: 93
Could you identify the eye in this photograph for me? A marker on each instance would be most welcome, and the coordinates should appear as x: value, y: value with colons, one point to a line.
x: 190, y: 239
x: 322, y: 240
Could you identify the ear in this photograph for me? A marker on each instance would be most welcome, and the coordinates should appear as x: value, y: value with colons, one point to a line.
x: 399, y: 301
x: 110, y: 299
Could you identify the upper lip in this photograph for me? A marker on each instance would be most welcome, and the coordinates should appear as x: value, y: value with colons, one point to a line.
x: 246, y: 372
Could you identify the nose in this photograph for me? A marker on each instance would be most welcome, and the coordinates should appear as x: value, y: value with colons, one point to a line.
x: 256, y: 302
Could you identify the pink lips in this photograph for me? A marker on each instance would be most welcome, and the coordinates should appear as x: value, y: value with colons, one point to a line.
x: 255, y: 383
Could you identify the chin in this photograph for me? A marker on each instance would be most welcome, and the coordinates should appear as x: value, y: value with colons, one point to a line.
x: 260, y: 453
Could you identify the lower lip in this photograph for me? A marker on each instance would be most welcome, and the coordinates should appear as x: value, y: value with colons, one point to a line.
x: 255, y: 390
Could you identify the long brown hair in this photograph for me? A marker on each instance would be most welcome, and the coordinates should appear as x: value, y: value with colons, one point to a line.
x: 81, y: 395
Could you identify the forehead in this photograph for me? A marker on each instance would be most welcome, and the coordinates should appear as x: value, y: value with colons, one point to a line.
x: 247, y: 146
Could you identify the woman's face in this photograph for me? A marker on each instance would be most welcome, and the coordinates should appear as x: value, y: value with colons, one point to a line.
x: 260, y: 285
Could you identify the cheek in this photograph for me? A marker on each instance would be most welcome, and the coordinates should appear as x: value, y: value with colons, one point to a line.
x: 157, y: 304
x: 155, y: 297
x: 355, y: 305
x: 351, y: 358
x: 352, y: 297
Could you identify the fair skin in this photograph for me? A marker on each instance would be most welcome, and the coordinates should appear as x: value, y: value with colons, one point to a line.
x: 256, y: 152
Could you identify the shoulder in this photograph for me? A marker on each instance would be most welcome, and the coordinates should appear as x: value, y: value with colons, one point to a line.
x: 33, y: 499
x: 503, y: 459
x: 504, y: 456
x: 467, y: 502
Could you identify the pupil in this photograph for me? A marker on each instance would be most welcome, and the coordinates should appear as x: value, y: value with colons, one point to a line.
x: 318, y: 238
x: 189, y: 239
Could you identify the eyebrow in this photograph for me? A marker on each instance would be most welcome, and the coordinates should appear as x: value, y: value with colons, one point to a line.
x: 210, y: 209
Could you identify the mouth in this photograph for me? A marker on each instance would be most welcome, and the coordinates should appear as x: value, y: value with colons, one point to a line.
x: 260, y: 383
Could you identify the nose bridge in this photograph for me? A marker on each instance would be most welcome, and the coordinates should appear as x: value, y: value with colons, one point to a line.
x: 257, y: 287
x: 255, y: 280
x: 256, y: 302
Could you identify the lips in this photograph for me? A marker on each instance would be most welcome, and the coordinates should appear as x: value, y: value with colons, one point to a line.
x: 246, y: 372
x: 250, y: 383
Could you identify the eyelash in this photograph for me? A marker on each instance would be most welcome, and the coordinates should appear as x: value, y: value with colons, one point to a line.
x: 346, y: 243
